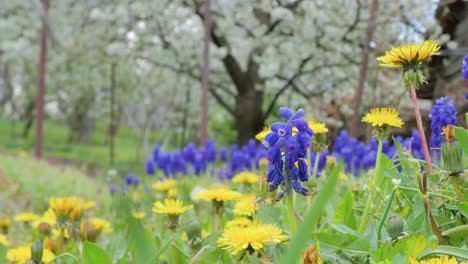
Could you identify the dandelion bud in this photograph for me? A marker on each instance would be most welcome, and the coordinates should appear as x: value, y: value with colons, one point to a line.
x: 311, y: 256
x: 433, y: 242
x: 36, y: 251
x: 451, y: 152
x: 44, y: 228
x: 87, y: 231
x: 394, y: 227
x: 279, y: 196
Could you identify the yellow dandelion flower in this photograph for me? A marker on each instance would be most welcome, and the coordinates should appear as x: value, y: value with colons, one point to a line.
x: 67, y: 207
x: 262, y: 134
x: 439, y: 260
x: 246, y: 206
x: 101, y: 225
x: 311, y: 256
x: 26, y: 217
x: 252, y: 237
x: 239, y: 222
x: 379, y: 117
x: 409, y: 55
x: 164, y: 185
x: 343, y: 176
x: 205, y: 233
x: 245, y: 177
x: 184, y: 237
x: 449, y: 133
x: 171, y: 207
x: 50, y: 244
x: 139, y: 215
x: 218, y: 193
x: 58, y: 232
x: 331, y: 160
x: 5, y: 222
x: 316, y: 126
x: 21, y: 255
x: 172, y: 193
x: 89, y: 205
x: 4, y: 241
x: 48, y: 218
x: 263, y: 162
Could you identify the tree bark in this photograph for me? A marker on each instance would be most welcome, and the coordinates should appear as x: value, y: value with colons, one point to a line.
x: 248, y: 114
x: 205, y: 74
x: 41, y: 84
x: 356, y: 120
x: 113, y: 121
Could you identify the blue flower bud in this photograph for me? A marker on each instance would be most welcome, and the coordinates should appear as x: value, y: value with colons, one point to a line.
x: 274, y: 154
x: 299, y: 113
x: 296, y: 186
x: 285, y: 112
x: 128, y: 179
x: 279, y: 196
x: 301, y: 124
x: 270, y: 139
x: 305, y: 191
x: 302, y: 166
x: 290, y: 159
x: 294, y: 173
x: 149, y: 166
x: 271, y: 175
x: 136, y: 180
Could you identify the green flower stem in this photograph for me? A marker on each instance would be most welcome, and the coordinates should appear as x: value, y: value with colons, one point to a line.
x: 456, y: 231
x: 378, y: 177
x: 290, y: 202
x: 417, y: 114
x: 316, y: 162
x: 384, y: 217
x: 429, y: 193
x: 456, y: 180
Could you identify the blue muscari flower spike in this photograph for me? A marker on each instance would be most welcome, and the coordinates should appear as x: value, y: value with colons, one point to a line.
x: 464, y: 69
x: 223, y: 153
x: 129, y: 179
x: 443, y: 113
x: 136, y: 181
x: 295, y: 147
x: 112, y: 189
x: 156, y: 149
x: 150, y: 166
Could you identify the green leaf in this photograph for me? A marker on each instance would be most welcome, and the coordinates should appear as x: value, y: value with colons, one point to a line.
x: 117, y: 248
x: 445, y: 250
x: 409, y: 246
x: 463, y: 207
x: 299, y: 243
x: 268, y: 214
x: 344, y: 211
x: 93, y: 254
x: 462, y: 137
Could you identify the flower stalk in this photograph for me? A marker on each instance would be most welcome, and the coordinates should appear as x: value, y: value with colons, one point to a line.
x: 417, y: 114
x: 290, y: 202
x: 378, y: 177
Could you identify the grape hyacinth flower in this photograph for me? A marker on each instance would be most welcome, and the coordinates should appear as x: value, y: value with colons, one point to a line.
x: 223, y: 153
x: 150, y: 166
x: 442, y: 114
x: 464, y: 71
x: 128, y: 179
x: 287, y: 145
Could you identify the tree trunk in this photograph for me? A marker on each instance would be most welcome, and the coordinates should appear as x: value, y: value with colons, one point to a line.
x: 205, y: 74
x: 248, y: 114
x: 113, y: 121
x: 41, y: 84
x: 29, y: 117
x: 356, y: 120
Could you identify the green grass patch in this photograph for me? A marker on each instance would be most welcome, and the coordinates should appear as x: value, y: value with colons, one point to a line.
x: 27, y: 183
